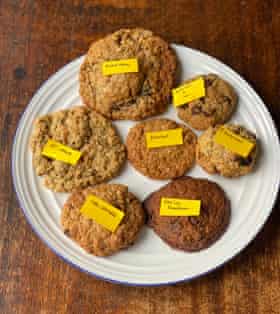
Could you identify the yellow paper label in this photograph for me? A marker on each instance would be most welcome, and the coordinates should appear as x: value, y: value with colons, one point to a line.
x: 119, y: 66
x: 188, y: 92
x: 61, y: 152
x: 179, y: 207
x: 233, y: 142
x: 102, y: 212
x: 164, y: 138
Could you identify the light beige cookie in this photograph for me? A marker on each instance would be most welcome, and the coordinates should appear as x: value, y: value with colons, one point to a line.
x: 129, y: 96
x: 214, y: 158
x: 93, y: 237
x: 82, y: 129
x: 215, y: 108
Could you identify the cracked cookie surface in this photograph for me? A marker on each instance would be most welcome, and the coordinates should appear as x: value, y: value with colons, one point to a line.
x: 80, y: 128
x: 162, y: 162
x: 129, y: 96
x: 190, y: 233
x: 216, y: 107
x: 91, y: 236
x: 214, y: 158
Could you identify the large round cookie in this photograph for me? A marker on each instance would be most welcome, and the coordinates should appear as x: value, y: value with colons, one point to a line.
x: 162, y: 162
x: 214, y: 158
x: 190, y: 233
x: 129, y: 96
x: 82, y: 129
x: 216, y: 107
x: 95, y: 238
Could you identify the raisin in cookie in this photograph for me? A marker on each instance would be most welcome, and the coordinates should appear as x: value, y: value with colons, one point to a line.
x: 190, y: 233
x: 214, y: 158
x: 80, y: 128
x: 216, y: 107
x: 129, y: 96
x: 93, y: 237
x: 161, y: 162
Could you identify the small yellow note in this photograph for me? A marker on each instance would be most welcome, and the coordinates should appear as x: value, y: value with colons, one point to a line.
x: 102, y: 212
x: 120, y: 66
x: 233, y: 142
x: 164, y: 138
x: 179, y: 207
x: 61, y: 152
x: 188, y: 92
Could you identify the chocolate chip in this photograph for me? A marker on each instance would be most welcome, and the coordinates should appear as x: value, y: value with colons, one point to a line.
x: 209, y: 113
x: 146, y: 89
x: 226, y: 99
x: 189, y: 139
x: 118, y: 40
x: 202, y: 100
x: 244, y: 161
x: 206, y: 114
x: 130, y: 102
x: 208, y: 82
x: 196, y: 110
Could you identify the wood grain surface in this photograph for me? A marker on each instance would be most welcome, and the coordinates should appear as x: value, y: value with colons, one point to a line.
x: 36, y: 39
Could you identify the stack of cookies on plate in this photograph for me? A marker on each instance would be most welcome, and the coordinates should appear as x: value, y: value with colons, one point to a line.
x: 131, y: 75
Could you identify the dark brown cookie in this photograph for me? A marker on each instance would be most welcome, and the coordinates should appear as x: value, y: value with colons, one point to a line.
x: 196, y: 232
x: 162, y: 162
x: 129, y: 96
x: 216, y: 107
x: 95, y: 238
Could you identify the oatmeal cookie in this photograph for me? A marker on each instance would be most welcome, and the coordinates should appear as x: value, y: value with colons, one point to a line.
x: 129, y: 96
x: 214, y: 158
x: 95, y: 238
x: 162, y: 162
x: 190, y: 233
x: 215, y: 108
x: 80, y: 128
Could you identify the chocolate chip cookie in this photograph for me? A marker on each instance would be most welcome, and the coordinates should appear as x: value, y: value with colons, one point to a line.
x: 129, y: 96
x: 82, y: 129
x: 215, y: 108
x: 161, y: 162
x: 190, y: 233
x: 93, y: 237
x: 214, y: 158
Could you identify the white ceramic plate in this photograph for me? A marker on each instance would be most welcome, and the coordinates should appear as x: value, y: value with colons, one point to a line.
x: 150, y: 261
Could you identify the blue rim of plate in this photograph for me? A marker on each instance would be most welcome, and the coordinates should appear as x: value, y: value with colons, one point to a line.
x: 68, y: 261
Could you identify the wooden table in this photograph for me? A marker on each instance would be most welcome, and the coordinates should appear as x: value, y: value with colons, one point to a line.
x: 36, y: 39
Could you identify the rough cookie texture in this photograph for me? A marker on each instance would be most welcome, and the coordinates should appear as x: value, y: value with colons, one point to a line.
x: 82, y: 129
x: 215, y: 108
x: 91, y: 236
x: 190, y: 233
x: 214, y: 158
x: 129, y: 96
x: 162, y: 162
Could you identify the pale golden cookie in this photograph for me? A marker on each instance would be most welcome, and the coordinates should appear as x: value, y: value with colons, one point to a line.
x: 93, y: 237
x: 214, y: 158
